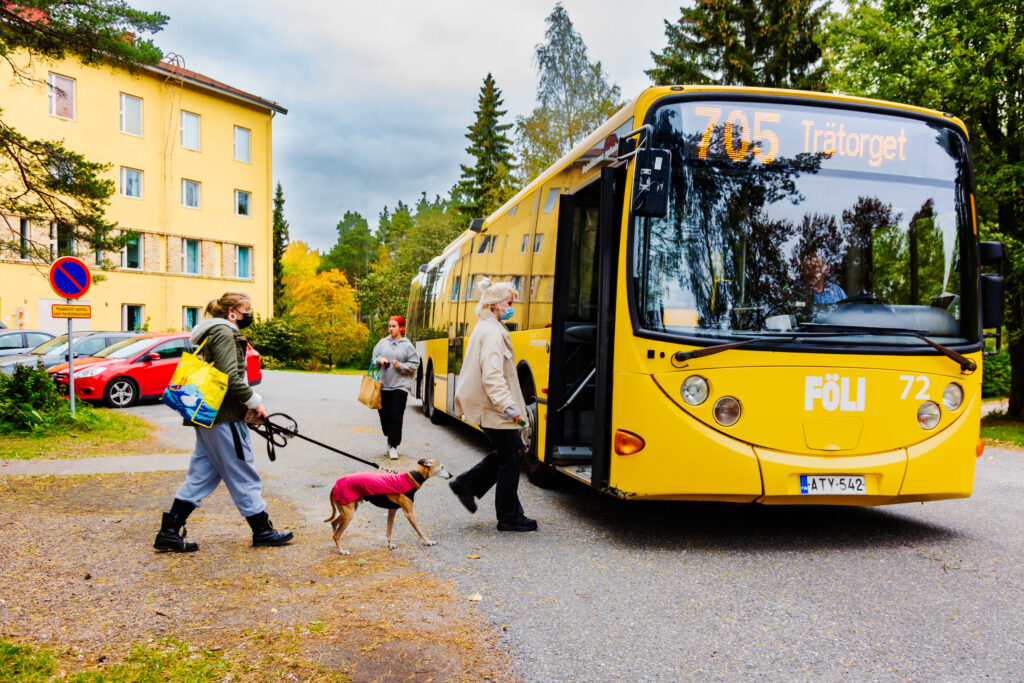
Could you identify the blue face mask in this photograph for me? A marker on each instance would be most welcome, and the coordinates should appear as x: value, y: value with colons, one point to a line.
x: 508, y: 313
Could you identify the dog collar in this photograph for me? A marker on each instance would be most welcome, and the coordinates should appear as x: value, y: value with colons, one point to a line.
x: 417, y: 478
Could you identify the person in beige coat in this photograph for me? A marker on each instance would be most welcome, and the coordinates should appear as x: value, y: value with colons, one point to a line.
x: 488, y: 395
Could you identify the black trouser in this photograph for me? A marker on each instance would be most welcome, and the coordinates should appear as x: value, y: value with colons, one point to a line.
x: 392, y: 412
x: 499, y: 468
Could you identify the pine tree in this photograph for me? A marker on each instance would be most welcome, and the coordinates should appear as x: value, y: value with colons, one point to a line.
x: 744, y: 42
x: 486, y: 185
x: 280, y: 228
x: 355, y: 250
x: 46, y: 181
x: 574, y: 97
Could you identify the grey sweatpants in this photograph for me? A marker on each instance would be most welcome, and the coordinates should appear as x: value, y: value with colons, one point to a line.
x: 215, y: 459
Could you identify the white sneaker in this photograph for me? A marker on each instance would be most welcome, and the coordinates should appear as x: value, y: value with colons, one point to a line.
x: 393, y: 453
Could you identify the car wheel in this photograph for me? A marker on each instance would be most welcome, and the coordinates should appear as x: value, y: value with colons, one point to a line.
x: 121, y: 392
x: 539, y: 473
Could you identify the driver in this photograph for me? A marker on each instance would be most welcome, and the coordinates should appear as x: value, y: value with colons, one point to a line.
x: 815, y: 271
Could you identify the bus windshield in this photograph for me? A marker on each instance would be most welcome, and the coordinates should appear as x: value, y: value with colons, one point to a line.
x: 805, y: 221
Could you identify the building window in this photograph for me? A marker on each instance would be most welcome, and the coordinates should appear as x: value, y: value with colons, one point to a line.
x: 131, y: 254
x: 26, y: 238
x: 455, y: 288
x: 190, y: 130
x: 537, y: 240
x: 552, y: 201
x: 61, y: 96
x: 243, y: 262
x: 243, y: 201
x: 242, y: 144
x: 190, y: 256
x: 132, y: 317
x: 526, y: 243
x: 190, y: 194
x: 131, y: 115
x: 189, y: 317
x: 131, y: 182
x: 62, y: 240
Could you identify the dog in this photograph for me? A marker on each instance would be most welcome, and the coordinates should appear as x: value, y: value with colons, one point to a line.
x: 389, y: 490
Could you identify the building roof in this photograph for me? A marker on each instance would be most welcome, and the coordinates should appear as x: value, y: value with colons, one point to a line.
x: 205, y: 82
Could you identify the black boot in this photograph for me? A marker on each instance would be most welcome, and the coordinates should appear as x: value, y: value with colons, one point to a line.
x: 172, y: 536
x: 263, y: 532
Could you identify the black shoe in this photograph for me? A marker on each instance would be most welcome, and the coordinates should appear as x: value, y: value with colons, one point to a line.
x: 263, y: 532
x: 467, y: 499
x: 171, y: 537
x: 521, y: 524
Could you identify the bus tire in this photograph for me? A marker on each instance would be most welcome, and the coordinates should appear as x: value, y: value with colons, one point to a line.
x: 433, y: 414
x: 540, y: 474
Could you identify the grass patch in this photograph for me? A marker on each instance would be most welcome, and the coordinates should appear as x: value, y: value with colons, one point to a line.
x: 92, y: 437
x: 998, y: 428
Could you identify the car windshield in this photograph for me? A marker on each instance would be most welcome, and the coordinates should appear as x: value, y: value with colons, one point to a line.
x: 126, y: 348
x: 52, y: 347
x: 800, y: 220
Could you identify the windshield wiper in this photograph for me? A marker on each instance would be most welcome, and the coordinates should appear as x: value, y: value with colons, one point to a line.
x: 682, y: 356
x: 966, y: 364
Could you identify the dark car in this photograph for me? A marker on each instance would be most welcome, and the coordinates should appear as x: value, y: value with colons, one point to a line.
x: 55, y: 351
x: 140, y: 367
x: 13, y: 342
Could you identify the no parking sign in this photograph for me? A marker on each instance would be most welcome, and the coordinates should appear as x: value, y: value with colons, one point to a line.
x: 70, y: 277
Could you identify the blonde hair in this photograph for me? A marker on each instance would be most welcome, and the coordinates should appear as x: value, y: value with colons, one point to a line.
x: 218, y: 308
x: 493, y: 294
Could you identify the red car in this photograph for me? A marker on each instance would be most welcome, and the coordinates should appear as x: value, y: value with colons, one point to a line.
x: 135, y: 368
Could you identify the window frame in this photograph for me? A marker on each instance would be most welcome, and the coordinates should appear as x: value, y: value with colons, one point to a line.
x: 248, y: 203
x: 235, y: 146
x: 181, y: 130
x: 526, y: 243
x: 124, y: 254
x: 199, y: 194
x: 51, y: 90
x: 124, y: 316
x: 124, y: 185
x: 538, y: 241
x: 184, y: 317
x: 25, y: 239
x: 238, y: 261
x: 122, y: 97
x: 185, y: 241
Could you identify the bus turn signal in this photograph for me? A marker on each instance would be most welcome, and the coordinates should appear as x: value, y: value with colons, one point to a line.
x: 627, y: 443
x: 978, y: 450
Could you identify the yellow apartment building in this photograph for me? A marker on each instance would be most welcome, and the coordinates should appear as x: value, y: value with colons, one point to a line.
x: 191, y: 160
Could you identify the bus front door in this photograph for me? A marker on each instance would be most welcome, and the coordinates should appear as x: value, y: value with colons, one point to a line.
x: 579, y: 382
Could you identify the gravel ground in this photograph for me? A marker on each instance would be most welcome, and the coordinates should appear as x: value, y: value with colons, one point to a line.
x: 650, y: 591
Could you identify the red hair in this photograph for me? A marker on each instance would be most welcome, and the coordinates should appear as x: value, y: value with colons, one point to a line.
x: 401, y: 322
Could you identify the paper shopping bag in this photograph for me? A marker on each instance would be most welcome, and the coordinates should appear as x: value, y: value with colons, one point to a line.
x: 369, y: 389
x: 196, y: 389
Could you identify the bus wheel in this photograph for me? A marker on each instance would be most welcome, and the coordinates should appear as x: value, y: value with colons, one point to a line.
x: 538, y: 473
x: 429, y: 410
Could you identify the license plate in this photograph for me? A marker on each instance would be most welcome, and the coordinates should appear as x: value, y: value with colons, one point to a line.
x: 832, y: 485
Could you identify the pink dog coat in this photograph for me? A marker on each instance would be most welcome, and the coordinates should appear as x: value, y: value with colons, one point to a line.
x: 367, y: 484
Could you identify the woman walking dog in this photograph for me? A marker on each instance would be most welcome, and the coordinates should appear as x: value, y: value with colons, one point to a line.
x: 398, y: 361
x: 488, y: 395
x: 224, y: 451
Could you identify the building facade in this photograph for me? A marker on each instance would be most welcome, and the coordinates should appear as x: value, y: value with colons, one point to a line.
x: 191, y: 160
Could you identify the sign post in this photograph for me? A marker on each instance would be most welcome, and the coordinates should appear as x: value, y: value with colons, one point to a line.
x: 71, y: 279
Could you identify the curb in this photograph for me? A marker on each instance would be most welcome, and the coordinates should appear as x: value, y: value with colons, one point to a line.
x: 112, y: 465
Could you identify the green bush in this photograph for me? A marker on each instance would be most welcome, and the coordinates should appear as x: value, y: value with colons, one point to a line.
x: 30, y: 402
x: 278, y: 338
x: 995, y: 377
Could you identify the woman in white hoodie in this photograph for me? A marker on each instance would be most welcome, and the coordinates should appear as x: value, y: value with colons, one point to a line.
x: 488, y: 395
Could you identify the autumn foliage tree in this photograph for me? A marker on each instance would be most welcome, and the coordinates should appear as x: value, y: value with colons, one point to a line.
x: 299, y: 263
x: 326, y: 309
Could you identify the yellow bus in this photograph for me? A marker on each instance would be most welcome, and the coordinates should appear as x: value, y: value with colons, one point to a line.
x: 738, y: 294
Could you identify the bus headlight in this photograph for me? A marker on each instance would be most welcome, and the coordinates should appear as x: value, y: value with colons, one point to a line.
x: 727, y: 411
x: 953, y: 396
x: 928, y: 415
x: 694, y: 390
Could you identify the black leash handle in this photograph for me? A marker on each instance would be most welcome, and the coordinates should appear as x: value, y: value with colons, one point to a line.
x: 278, y: 435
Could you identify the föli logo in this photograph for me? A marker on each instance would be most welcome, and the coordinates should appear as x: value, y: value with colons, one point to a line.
x: 834, y: 393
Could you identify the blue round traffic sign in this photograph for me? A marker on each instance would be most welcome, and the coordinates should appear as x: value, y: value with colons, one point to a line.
x: 70, y: 277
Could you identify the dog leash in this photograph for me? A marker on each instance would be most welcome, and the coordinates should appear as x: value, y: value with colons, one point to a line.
x: 277, y: 435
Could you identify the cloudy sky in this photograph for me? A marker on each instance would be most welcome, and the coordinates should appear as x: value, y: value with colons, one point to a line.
x: 379, y: 94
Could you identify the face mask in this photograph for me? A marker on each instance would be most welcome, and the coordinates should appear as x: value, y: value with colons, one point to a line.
x: 508, y: 313
x: 245, y: 320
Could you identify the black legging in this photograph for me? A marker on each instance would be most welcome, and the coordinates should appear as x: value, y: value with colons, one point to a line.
x: 499, y: 468
x: 392, y: 412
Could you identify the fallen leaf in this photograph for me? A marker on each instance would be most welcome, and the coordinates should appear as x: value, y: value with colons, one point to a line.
x: 476, y: 597
x: 473, y: 557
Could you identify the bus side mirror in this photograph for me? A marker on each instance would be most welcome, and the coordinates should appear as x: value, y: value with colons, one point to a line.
x: 992, y: 253
x: 991, y: 301
x: 650, y: 182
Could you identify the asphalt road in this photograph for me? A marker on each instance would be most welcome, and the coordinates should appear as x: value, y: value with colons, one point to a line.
x: 608, y: 589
